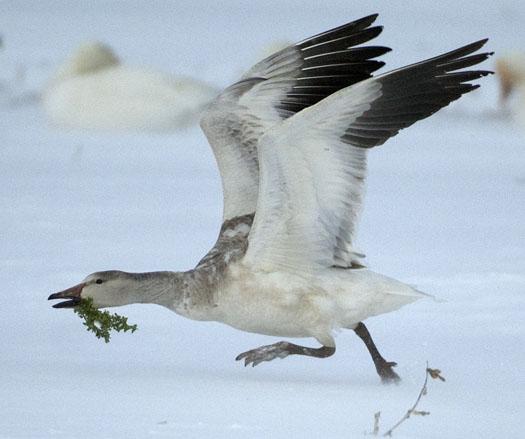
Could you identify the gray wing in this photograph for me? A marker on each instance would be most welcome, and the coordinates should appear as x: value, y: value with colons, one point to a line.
x: 276, y: 88
x: 313, y: 164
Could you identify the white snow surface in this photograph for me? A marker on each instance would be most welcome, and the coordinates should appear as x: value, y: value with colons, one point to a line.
x: 445, y: 211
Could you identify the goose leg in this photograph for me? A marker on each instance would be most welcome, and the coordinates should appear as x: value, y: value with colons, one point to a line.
x: 383, y: 367
x: 281, y: 350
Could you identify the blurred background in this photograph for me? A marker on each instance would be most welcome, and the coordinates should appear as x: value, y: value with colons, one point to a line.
x: 109, y: 185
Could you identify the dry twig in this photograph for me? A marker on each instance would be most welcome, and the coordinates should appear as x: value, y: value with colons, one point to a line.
x: 434, y: 374
x: 375, y: 431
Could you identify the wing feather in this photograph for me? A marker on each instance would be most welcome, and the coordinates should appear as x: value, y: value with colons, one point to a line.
x: 276, y: 88
x: 313, y: 164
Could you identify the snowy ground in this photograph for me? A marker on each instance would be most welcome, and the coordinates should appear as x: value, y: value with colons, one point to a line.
x: 445, y: 210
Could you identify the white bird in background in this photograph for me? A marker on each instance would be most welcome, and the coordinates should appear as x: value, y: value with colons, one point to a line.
x: 291, y: 139
x: 93, y: 90
x: 510, y: 70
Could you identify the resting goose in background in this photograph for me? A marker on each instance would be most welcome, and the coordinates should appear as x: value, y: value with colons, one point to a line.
x: 93, y: 90
x: 510, y: 70
x: 290, y: 139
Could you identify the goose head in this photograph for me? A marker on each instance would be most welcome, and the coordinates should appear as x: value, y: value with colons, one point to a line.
x: 88, y: 58
x: 106, y: 288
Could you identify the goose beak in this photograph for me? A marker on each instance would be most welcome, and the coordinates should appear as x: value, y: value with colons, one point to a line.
x: 72, y: 293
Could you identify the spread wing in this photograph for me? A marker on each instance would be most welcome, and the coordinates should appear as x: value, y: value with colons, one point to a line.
x: 276, y: 88
x: 313, y: 164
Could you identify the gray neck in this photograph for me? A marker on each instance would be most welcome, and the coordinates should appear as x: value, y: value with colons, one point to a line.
x: 164, y: 288
x: 190, y: 293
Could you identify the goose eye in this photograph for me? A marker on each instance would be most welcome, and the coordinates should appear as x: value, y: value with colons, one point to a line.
x: 99, y: 281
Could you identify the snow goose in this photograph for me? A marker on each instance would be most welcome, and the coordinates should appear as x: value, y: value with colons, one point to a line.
x: 510, y: 70
x: 290, y: 140
x: 94, y: 90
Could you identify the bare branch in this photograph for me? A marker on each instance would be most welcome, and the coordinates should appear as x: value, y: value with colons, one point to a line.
x: 434, y: 374
x: 377, y: 415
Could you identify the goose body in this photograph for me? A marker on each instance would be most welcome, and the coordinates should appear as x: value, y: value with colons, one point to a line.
x: 290, y: 139
x: 511, y: 73
x: 93, y: 90
x: 288, y: 305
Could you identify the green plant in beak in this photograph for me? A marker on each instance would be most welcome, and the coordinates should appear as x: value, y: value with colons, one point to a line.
x: 101, y: 323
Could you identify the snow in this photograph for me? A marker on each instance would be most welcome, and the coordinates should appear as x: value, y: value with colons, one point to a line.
x: 444, y: 211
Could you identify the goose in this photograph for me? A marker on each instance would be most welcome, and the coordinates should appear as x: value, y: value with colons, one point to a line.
x: 290, y: 139
x: 94, y: 90
x: 510, y: 70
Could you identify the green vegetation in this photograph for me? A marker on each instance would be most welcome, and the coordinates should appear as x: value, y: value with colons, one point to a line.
x: 102, y: 322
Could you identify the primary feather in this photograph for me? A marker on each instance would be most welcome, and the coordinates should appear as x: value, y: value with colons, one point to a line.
x: 276, y: 88
x: 313, y: 165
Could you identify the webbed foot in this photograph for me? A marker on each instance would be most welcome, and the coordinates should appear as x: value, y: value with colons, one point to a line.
x: 387, y: 374
x: 265, y: 353
x: 281, y: 350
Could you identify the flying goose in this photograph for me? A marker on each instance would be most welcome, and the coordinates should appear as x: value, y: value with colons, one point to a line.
x: 94, y: 90
x: 290, y: 140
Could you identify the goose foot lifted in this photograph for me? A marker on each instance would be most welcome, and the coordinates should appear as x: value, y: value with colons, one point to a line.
x: 383, y: 367
x: 281, y: 350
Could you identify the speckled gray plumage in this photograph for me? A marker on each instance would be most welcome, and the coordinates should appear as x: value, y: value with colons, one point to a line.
x: 200, y: 284
x: 231, y: 244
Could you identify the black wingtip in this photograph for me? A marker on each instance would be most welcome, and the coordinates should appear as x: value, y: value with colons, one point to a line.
x: 349, y: 28
x: 476, y: 45
x: 370, y: 32
x: 483, y: 41
x: 368, y: 19
x: 379, y: 65
x: 360, y: 23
